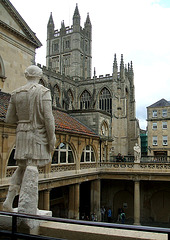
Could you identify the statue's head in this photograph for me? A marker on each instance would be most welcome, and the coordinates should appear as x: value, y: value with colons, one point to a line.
x: 33, y: 72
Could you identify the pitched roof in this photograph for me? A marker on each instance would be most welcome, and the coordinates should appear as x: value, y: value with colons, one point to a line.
x: 160, y: 103
x: 4, y: 101
x: 26, y: 32
x: 63, y: 121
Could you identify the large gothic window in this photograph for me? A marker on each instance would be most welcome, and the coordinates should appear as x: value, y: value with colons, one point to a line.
x: 88, y: 154
x: 66, y: 64
x: 55, y: 61
x: 105, y: 100
x: 63, y: 154
x: 85, y: 100
x: 55, y: 46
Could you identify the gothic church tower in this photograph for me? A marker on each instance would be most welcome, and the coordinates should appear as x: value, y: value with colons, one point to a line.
x: 106, y: 104
x: 69, y: 49
x: 124, y: 123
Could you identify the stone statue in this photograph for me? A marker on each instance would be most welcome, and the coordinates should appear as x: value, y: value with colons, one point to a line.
x: 30, y: 107
x: 137, y: 152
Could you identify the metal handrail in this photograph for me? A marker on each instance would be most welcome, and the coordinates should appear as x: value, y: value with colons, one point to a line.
x: 14, y: 234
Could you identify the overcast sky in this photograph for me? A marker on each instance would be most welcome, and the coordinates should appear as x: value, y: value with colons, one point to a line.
x: 138, y: 29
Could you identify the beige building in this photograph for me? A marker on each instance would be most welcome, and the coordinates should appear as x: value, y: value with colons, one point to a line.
x: 17, y: 47
x: 158, y: 118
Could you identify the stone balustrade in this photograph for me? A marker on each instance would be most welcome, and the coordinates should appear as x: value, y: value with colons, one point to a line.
x: 146, y: 164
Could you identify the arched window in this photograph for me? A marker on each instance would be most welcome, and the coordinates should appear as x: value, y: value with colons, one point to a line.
x: 70, y: 95
x: 85, y: 100
x: 104, y: 129
x: 105, y: 100
x: 56, y: 96
x: 88, y: 154
x: 12, y: 161
x: 63, y: 154
x: 71, y: 99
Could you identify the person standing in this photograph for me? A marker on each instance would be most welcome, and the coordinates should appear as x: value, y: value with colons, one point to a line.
x: 103, y: 210
x: 109, y: 215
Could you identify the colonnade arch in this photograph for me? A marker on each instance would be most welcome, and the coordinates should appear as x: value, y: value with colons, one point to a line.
x: 123, y: 200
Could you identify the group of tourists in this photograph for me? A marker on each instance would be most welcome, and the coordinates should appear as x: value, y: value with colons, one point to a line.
x: 106, y: 215
x: 120, y: 158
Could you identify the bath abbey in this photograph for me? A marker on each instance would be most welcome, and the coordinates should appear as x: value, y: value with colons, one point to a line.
x: 93, y: 164
x: 106, y: 104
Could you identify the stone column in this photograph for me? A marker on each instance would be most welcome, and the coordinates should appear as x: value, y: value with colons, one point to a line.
x: 41, y: 200
x: 71, y: 202
x: 136, y: 202
x: 74, y: 201
x: 47, y: 199
x: 95, y: 198
x: 77, y: 201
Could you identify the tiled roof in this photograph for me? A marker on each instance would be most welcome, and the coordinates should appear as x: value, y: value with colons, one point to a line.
x: 4, y: 101
x: 161, y: 103
x: 64, y: 122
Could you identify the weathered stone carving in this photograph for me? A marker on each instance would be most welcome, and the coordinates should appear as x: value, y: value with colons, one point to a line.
x: 137, y: 153
x: 30, y: 107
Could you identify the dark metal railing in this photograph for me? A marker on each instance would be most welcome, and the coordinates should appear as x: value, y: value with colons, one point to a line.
x: 13, y: 234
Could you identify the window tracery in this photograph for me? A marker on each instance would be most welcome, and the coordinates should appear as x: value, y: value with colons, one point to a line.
x: 105, y: 100
x: 88, y: 154
x: 63, y: 154
x: 85, y: 100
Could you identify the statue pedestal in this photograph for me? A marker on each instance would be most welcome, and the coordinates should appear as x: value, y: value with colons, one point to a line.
x: 31, y: 223
x: 6, y: 222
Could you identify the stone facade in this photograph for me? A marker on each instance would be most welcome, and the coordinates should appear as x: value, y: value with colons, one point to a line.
x: 108, y: 100
x: 69, y: 49
x: 158, y: 117
x: 17, y: 47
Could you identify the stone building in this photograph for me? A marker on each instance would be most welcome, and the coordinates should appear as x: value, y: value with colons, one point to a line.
x: 158, y: 118
x: 17, y: 47
x: 106, y: 104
